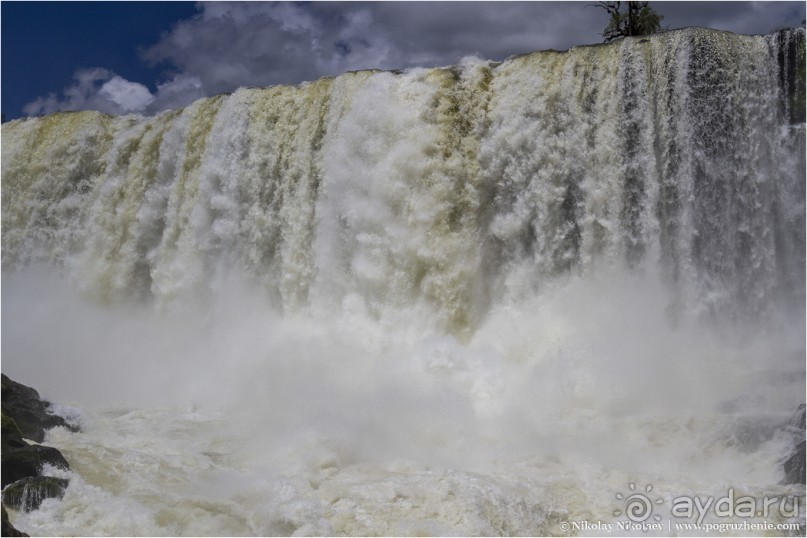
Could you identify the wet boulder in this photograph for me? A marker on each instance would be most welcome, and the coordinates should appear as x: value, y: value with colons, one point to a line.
x: 794, y: 465
x: 31, y: 414
x: 26, y: 416
x: 27, y: 494
x: 29, y: 461
x: 21, y: 459
x: 11, y: 434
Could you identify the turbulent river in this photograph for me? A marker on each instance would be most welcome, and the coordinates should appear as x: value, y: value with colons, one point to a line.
x: 493, y: 298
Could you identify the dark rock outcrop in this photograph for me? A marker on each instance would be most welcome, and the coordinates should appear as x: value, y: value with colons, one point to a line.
x: 794, y: 465
x: 31, y: 414
x: 26, y: 416
x: 12, y: 436
x: 28, y: 461
x: 21, y: 459
x: 8, y: 529
x: 27, y: 494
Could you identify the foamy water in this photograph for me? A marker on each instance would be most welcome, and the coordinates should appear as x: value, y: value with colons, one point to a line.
x: 244, y: 422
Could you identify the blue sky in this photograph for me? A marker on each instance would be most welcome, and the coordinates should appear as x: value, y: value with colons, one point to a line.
x: 45, y: 43
x: 144, y: 57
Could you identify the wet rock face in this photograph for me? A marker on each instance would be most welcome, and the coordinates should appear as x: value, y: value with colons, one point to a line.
x: 26, y: 416
x: 794, y: 465
x: 30, y: 412
x: 29, y: 461
x: 27, y: 494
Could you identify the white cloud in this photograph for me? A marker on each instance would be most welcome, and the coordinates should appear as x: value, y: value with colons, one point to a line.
x: 42, y: 105
x: 178, y: 92
x: 738, y: 17
x: 129, y: 96
x: 95, y: 89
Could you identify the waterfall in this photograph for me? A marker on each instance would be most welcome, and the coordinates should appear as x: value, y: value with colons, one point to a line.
x: 452, y: 187
x: 476, y: 299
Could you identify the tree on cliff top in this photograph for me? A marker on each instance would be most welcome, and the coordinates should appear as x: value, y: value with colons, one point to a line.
x: 639, y: 19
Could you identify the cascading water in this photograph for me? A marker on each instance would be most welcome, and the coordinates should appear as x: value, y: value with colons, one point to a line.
x: 480, y: 299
